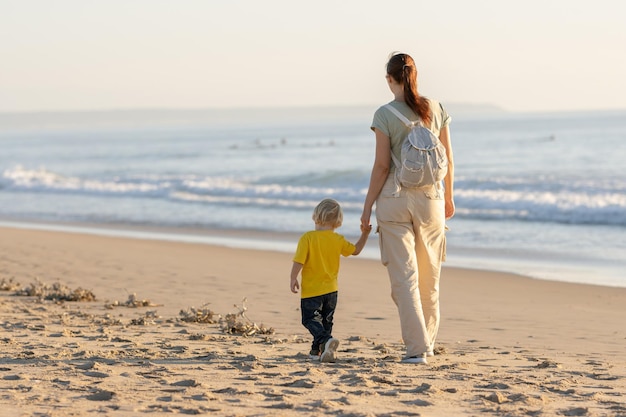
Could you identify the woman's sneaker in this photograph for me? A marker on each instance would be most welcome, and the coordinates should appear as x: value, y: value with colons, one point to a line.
x: 329, y: 350
x: 414, y: 359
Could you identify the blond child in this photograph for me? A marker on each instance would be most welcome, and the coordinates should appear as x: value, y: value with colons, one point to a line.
x: 317, y: 257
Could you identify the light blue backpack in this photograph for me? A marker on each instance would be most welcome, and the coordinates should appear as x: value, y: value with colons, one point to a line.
x: 423, y: 160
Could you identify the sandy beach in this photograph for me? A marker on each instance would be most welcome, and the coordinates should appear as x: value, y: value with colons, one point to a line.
x: 167, y: 334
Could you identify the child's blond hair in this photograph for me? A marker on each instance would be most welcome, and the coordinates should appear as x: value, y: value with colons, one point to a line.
x: 328, y: 213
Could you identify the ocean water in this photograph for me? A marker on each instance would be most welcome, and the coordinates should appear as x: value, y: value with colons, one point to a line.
x: 538, y: 194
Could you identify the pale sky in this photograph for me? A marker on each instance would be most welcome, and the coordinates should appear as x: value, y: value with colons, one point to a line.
x: 531, y: 55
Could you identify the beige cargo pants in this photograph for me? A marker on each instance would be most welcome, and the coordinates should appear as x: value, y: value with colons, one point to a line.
x: 411, y: 229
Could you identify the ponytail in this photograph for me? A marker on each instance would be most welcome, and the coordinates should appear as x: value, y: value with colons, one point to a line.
x: 401, y: 68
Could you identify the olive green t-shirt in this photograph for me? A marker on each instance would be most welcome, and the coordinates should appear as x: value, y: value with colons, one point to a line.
x: 390, y: 125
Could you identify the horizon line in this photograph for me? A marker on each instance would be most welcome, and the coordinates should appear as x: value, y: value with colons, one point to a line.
x: 468, y: 105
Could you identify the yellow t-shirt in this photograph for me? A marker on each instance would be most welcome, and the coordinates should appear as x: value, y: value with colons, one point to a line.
x: 319, y: 252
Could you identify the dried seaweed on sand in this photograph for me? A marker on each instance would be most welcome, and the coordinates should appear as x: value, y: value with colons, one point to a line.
x: 201, y: 315
x: 239, y: 323
x: 55, y: 292
x: 233, y: 323
x: 132, y: 302
x: 9, y: 285
x: 147, y: 320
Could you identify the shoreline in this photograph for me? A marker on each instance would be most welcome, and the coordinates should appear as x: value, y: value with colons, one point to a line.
x: 285, y: 242
x: 508, y: 344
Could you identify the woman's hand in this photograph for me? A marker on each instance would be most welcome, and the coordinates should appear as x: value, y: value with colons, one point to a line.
x: 380, y: 170
x: 365, y: 219
x: 450, y: 209
x: 448, y: 181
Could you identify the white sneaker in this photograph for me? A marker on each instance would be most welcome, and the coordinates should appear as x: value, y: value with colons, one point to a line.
x: 414, y: 359
x: 314, y: 355
x: 329, y: 354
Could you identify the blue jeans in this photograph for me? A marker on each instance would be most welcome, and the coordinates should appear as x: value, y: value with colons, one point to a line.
x: 317, y: 317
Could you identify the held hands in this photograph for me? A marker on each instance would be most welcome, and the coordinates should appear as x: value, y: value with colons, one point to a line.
x: 365, y: 219
x: 365, y: 231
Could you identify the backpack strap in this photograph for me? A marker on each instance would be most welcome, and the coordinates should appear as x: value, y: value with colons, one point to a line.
x: 395, y: 161
x: 402, y: 117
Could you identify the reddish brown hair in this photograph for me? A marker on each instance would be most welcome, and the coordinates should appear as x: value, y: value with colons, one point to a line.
x: 401, y: 68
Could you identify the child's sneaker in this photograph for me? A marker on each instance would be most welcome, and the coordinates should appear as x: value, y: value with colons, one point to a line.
x: 314, y: 355
x: 329, y: 350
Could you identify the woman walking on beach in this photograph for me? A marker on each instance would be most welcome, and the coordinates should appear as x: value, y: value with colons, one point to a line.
x: 411, y: 221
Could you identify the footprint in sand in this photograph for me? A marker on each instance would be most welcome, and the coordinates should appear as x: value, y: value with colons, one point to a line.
x: 186, y: 383
x: 101, y: 396
x: 95, y: 374
x: 326, y: 404
x: 495, y: 397
x: 86, y: 366
x: 300, y: 383
x: 419, y: 403
x: 548, y: 364
x: 578, y: 411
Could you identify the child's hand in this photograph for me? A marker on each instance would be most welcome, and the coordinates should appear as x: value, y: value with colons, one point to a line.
x: 295, y: 271
x: 366, y: 229
x: 294, y: 285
